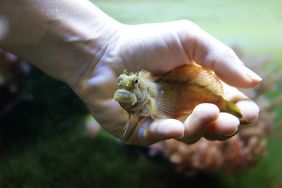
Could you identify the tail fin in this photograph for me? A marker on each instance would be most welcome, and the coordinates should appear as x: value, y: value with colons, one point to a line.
x: 231, y: 108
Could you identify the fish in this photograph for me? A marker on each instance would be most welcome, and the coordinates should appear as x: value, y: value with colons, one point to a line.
x: 172, y: 95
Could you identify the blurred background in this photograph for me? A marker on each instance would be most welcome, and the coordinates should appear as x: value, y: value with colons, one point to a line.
x: 48, y: 138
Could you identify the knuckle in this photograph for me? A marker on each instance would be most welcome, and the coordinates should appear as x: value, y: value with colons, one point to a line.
x: 206, y: 112
x: 186, y: 23
x: 228, y: 51
x: 185, y: 26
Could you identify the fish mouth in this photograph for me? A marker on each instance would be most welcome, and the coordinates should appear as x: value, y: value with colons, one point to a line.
x: 125, y: 97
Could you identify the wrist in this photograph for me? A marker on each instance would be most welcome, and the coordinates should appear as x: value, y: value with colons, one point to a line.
x: 85, y: 49
x: 63, y: 39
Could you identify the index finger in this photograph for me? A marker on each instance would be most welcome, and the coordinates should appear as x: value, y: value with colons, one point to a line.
x: 210, y: 53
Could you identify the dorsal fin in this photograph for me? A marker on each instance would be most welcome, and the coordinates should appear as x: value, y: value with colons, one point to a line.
x: 196, y: 75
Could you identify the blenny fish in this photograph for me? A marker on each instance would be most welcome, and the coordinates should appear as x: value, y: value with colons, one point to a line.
x: 172, y: 95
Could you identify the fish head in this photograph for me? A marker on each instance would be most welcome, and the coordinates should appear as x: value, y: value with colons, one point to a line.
x: 129, y: 87
x: 128, y: 81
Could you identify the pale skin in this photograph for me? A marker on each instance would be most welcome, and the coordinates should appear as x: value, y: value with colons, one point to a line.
x: 75, y: 42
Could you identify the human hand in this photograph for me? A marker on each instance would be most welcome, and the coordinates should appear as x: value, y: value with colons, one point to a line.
x: 159, y: 48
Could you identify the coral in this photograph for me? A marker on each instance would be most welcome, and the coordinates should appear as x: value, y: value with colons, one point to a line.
x: 242, y: 151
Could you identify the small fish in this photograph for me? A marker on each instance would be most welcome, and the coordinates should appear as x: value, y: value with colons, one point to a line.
x: 172, y: 95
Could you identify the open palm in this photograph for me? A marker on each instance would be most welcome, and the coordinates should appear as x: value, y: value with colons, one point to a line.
x: 159, y: 48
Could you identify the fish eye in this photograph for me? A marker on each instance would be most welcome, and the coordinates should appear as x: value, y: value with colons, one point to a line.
x: 136, y: 81
x: 119, y: 80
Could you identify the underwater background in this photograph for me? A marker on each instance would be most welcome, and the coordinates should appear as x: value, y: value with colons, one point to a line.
x: 47, y: 137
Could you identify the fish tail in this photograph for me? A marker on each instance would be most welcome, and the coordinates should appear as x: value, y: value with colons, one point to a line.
x: 231, y: 108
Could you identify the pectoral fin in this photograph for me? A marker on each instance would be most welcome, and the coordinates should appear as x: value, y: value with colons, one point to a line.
x: 231, y: 108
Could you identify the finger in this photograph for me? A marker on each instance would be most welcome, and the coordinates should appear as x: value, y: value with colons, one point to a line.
x: 225, y: 126
x: 92, y: 126
x: 213, y: 54
x: 198, y: 121
x: 249, y: 109
x: 132, y: 130
x: 229, y: 68
x: 152, y: 131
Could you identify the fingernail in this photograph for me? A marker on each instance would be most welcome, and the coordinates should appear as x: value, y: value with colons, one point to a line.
x: 249, y: 109
x: 252, y: 75
x: 226, y: 125
x: 233, y: 133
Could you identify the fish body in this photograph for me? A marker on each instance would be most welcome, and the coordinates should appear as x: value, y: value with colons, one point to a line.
x: 172, y: 95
